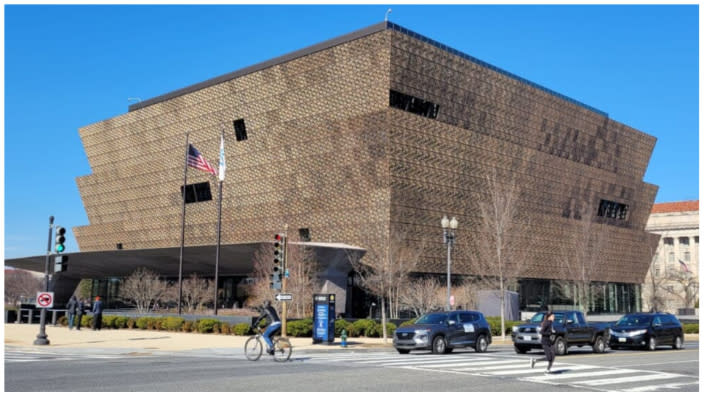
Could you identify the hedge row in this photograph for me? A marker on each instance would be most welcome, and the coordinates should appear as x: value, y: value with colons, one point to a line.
x: 294, y: 328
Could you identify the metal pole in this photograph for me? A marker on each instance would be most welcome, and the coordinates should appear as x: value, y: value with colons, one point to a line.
x: 183, y: 228
x: 42, y: 337
x: 217, y: 248
x: 448, y: 240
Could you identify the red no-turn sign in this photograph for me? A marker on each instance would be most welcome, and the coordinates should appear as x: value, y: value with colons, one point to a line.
x: 45, y: 300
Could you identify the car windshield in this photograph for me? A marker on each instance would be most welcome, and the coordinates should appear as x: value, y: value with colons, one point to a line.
x: 631, y: 320
x: 538, y: 318
x: 432, y: 318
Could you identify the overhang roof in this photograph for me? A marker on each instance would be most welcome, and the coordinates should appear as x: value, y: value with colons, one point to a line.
x: 235, y: 260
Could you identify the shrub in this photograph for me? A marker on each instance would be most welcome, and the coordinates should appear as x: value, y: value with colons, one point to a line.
x: 340, y: 325
x: 131, y: 323
x: 121, y: 322
x: 206, y: 325
x: 495, y: 325
x: 64, y: 321
x: 691, y: 328
x: 362, y: 327
x: 172, y: 323
x: 187, y: 326
x: 390, y: 328
x: 225, y: 328
x: 409, y: 322
x: 109, y: 321
x: 300, y: 328
x: 241, y: 329
x: 86, y: 321
x: 142, y: 322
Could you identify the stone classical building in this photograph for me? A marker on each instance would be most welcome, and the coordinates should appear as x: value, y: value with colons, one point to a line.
x: 675, y: 265
x: 362, y: 138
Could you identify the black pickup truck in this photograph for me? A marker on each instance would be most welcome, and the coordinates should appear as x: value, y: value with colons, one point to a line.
x: 570, y: 329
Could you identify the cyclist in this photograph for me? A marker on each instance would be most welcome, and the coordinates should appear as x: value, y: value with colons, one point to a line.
x: 268, y: 312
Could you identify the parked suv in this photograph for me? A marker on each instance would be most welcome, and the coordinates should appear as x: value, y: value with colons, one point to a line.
x: 441, y: 332
x: 647, y: 330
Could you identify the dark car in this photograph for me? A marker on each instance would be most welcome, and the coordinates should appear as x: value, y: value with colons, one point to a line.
x: 571, y: 329
x: 647, y: 330
x: 441, y: 332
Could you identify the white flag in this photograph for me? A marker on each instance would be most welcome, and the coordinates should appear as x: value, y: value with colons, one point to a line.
x: 221, y: 167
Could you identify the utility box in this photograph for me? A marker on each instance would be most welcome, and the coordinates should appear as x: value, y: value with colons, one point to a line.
x: 323, y: 318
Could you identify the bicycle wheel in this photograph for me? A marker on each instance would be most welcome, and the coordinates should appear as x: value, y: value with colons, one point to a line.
x: 282, y: 349
x: 253, y: 348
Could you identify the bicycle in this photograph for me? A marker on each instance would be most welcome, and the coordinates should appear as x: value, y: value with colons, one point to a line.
x: 254, y: 346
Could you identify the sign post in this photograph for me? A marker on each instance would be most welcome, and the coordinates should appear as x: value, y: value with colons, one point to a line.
x: 41, y: 337
x: 45, y: 300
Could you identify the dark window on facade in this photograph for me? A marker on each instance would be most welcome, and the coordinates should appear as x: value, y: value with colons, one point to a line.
x: 412, y: 104
x: 611, y: 209
x: 304, y: 234
x: 240, y: 130
x: 197, y: 192
x: 668, y: 241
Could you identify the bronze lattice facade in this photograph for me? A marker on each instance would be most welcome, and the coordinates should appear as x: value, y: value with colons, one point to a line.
x: 327, y: 149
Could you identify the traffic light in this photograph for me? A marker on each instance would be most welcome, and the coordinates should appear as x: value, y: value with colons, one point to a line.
x: 279, y: 261
x: 60, y: 239
x: 60, y: 263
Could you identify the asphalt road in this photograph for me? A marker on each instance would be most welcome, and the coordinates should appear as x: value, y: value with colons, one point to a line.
x: 336, y: 370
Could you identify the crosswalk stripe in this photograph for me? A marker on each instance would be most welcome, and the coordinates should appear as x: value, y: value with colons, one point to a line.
x: 465, y: 364
x: 581, y: 374
x: 406, y: 362
x: 601, y: 382
x: 533, y: 370
x: 660, y: 386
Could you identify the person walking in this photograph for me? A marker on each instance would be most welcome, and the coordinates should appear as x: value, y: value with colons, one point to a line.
x: 71, y: 311
x: 80, y: 308
x: 545, y: 332
x: 97, y: 314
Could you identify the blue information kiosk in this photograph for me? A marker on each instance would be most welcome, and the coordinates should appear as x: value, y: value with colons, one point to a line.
x: 323, y: 318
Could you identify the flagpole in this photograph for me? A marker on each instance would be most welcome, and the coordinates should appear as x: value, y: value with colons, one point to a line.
x: 183, y: 226
x: 221, y: 177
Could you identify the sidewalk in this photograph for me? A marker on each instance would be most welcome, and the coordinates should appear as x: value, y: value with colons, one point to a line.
x: 23, y: 335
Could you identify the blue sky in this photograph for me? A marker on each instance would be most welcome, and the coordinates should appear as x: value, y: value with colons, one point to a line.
x: 70, y: 66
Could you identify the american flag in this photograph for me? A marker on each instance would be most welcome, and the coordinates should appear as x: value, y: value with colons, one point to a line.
x: 196, y: 160
x: 684, y: 266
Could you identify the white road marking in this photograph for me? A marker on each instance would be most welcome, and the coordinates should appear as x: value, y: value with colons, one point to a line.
x: 641, y: 378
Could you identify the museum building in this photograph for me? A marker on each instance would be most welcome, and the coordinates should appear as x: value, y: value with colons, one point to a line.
x: 354, y: 141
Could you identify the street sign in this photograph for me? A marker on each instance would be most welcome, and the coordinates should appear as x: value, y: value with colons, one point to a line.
x: 45, y: 300
x: 284, y: 297
x: 452, y: 300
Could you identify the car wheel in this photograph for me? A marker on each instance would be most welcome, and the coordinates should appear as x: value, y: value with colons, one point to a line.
x: 599, y: 346
x: 482, y: 344
x: 403, y: 351
x: 651, y: 344
x: 677, y: 345
x: 439, y: 345
x: 560, y: 346
x: 520, y: 350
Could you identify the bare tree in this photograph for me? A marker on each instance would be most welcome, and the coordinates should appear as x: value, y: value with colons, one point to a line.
x: 581, y: 255
x: 422, y: 295
x: 654, y: 288
x: 21, y: 284
x: 387, y: 276
x: 143, y: 288
x: 687, y: 287
x: 499, y: 247
x: 302, y: 282
x: 196, y: 292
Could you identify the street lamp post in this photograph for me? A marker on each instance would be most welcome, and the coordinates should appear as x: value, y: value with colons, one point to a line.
x: 371, y: 308
x: 448, y: 228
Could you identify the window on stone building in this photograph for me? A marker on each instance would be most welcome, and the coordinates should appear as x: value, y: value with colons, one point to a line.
x: 696, y: 239
x: 197, y: 192
x: 656, y: 270
x: 687, y: 256
x: 240, y: 130
x: 412, y: 104
x: 304, y: 234
x: 611, y: 209
x: 683, y: 241
x: 668, y: 241
x: 671, y: 257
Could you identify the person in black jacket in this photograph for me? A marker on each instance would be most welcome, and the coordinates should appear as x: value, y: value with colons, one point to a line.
x: 545, y: 332
x: 71, y: 311
x: 80, y: 308
x: 97, y: 314
x: 268, y: 312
